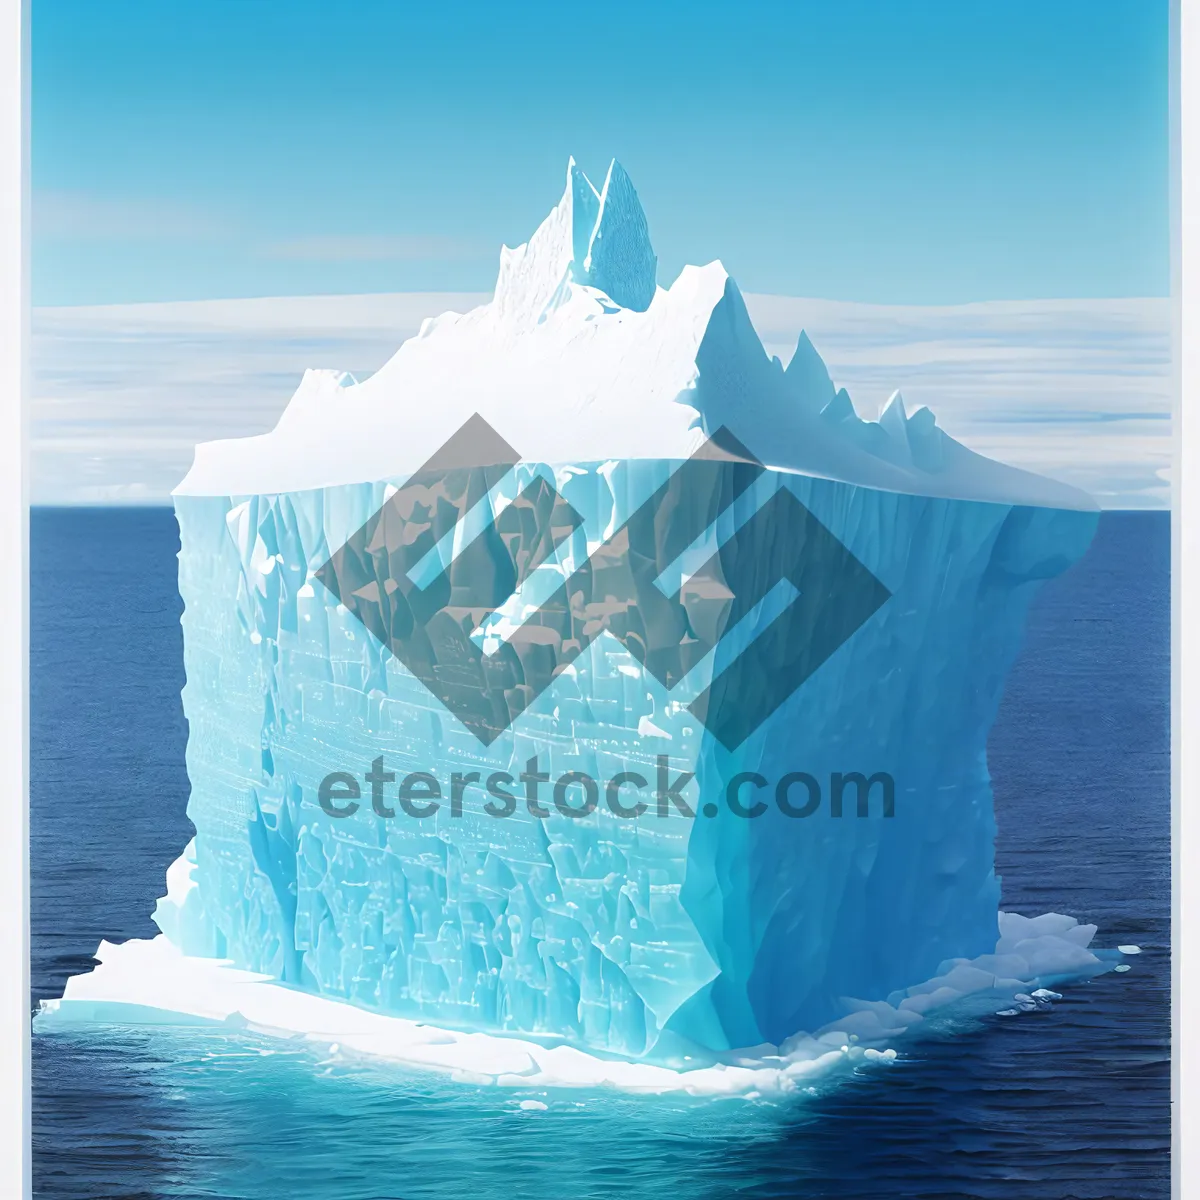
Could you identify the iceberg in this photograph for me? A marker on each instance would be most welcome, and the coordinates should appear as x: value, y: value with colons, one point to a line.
x: 444, y: 625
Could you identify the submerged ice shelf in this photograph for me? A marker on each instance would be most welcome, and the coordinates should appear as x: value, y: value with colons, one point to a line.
x: 139, y: 979
x: 662, y: 937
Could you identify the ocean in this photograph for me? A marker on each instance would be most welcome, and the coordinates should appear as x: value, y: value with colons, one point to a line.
x: 1073, y: 1101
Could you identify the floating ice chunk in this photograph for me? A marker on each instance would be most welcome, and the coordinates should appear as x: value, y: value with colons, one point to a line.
x: 872, y: 1055
x: 1130, y: 949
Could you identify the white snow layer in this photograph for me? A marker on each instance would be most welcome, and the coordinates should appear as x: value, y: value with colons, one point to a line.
x: 154, y: 983
x: 580, y: 353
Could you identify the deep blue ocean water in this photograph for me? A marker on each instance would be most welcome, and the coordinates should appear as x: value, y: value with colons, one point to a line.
x: 1071, y: 1102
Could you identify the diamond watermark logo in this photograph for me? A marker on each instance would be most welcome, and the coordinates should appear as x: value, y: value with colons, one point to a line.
x: 426, y: 617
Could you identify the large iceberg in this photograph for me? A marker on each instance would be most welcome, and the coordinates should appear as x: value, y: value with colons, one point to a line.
x: 586, y: 389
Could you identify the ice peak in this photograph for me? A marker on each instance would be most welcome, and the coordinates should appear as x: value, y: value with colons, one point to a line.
x: 894, y: 416
x: 809, y: 375
x: 596, y: 238
x: 620, y: 260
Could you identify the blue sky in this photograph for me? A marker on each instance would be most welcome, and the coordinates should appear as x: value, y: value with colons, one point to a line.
x: 914, y: 153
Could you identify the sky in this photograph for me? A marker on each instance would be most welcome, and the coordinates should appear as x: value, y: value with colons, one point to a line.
x: 915, y: 153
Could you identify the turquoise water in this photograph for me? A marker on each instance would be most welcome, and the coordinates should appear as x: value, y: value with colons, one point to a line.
x: 1068, y: 1102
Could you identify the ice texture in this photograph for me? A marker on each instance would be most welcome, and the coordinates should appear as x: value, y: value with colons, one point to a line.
x: 652, y: 937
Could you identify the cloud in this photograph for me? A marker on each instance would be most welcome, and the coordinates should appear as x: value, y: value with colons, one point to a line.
x: 1080, y: 390
x: 83, y: 216
x: 370, y: 248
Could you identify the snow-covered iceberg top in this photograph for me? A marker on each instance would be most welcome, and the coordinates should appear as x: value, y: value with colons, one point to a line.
x: 581, y: 355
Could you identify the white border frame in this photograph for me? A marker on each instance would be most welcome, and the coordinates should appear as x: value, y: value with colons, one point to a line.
x: 15, y: 1177
x: 1185, y: 596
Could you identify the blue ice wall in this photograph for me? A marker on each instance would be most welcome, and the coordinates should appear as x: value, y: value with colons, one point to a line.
x: 647, y: 936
